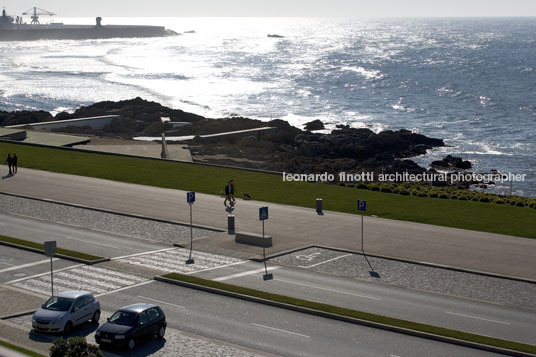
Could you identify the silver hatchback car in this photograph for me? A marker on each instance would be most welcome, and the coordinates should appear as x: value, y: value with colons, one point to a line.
x: 62, y: 312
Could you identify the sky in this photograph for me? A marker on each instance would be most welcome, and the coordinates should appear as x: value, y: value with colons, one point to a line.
x: 305, y: 8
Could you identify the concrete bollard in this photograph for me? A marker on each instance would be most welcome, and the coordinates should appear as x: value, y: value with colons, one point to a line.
x: 319, y: 205
x: 230, y: 224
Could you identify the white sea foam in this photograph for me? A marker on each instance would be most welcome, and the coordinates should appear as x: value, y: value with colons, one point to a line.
x: 367, y: 73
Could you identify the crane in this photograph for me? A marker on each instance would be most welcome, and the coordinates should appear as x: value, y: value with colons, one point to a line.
x: 35, y: 14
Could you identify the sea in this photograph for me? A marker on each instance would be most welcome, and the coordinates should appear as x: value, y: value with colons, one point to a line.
x: 469, y: 81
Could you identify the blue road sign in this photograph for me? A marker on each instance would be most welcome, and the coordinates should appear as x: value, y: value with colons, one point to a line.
x: 263, y: 213
x: 190, y: 197
x: 361, y: 205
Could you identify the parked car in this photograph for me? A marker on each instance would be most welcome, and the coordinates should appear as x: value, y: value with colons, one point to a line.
x: 131, y: 324
x: 65, y: 310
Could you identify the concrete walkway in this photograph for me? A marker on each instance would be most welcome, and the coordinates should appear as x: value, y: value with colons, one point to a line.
x: 291, y: 227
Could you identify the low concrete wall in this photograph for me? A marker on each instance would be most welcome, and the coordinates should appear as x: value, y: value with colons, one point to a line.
x: 93, y: 122
x: 253, y: 239
x: 12, y: 134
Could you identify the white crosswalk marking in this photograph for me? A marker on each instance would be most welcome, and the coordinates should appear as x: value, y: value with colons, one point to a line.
x: 174, y: 261
x: 90, y: 278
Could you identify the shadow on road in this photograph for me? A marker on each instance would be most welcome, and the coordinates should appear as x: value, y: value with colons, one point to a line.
x: 83, y: 330
x: 144, y: 348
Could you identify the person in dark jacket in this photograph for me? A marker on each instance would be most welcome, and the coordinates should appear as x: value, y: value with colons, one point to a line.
x: 14, y: 163
x: 227, y: 194
x: 9, y: 162
x: 232, y: 188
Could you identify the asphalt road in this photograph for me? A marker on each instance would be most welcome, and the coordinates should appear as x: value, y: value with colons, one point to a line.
x: 290, y: 226
x: 436, y: 309
x: 29, y: 270
x: 237, y: 322
x: 104, y: 244
x: 274, y: 330
x: 257, y: 328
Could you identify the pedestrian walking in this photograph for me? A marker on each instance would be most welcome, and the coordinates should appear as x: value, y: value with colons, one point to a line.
x: 232, y: 190
x: 9, y: 162
x: 14, y: 163
x: 227, y: 194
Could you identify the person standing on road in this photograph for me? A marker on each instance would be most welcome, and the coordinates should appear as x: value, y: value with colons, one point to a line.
x: 232, y: 190
x: 9, y: 162
x: 14, y: 163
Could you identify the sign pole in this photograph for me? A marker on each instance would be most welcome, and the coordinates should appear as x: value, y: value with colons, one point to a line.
x: 362, y: 240
x: 263, y: 215
x: 190, y: 198
x: 190, y: 260
x: 264, y: 249
x: 50, y: 250
x: 362, y: 207
x: 51, y: 277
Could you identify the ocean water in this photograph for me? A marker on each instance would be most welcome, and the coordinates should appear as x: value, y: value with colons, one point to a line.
x: 470, y: 81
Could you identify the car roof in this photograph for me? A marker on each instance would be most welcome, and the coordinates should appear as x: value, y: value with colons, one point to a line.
x: 137, y: 307
x: 73, y: 294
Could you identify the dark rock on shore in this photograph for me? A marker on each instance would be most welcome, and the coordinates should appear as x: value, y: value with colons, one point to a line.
x: 24, y: 117
x: 345, y: 149
x: 314, y: 125
x: 134, y: 109
x: 282, y: 148
x: 450, y: 162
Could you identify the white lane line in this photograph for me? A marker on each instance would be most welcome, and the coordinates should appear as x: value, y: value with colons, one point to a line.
x: 28, y: 265
x: 277, y: 329
x: 237, y: 275
x: 11, y: 265
x: 477, y: 318
x: 42, y: 274
x: 332, y: 290
x: 327, y: 261
x: 161, y: 302
x: 126, y: 287
x: 217, y: 267
x: 143, y: 253
x: 85, y: 241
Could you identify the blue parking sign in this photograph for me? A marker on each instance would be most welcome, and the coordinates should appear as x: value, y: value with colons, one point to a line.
x: 263, y: 213
x: 190, y: 197
x: 361, y: 205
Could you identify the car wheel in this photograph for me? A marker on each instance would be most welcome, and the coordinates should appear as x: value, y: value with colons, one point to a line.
x: 68, y: 328
x: 161, y: 331
x: 131, y: 344
x: 96, y: 316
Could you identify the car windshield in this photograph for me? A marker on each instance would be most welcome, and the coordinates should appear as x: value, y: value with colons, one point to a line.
x: 57, y: 303
x: 126, y: 318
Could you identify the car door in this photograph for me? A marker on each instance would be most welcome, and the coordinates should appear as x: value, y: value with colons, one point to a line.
x: 79, y: 311
x: 91, y: 305
x: 154, y: 318
x: 144, y: 327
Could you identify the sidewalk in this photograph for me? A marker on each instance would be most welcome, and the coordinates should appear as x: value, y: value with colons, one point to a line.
x: 291, y: 227
x: 15, y: 300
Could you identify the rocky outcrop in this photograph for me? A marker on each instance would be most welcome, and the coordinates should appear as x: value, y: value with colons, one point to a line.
x: 285, y: 148
x: 314, y: 125
x: 344, y: 149
x: 24, y: 117
x: 450, y: 162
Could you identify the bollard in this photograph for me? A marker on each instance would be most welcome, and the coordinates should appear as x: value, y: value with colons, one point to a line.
x: 230, y: 224
x: 319, y: 205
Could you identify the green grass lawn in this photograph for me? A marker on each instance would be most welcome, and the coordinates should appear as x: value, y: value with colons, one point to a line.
x: 20, y: 349
x: 40, y: 246
x: 517, y: 221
